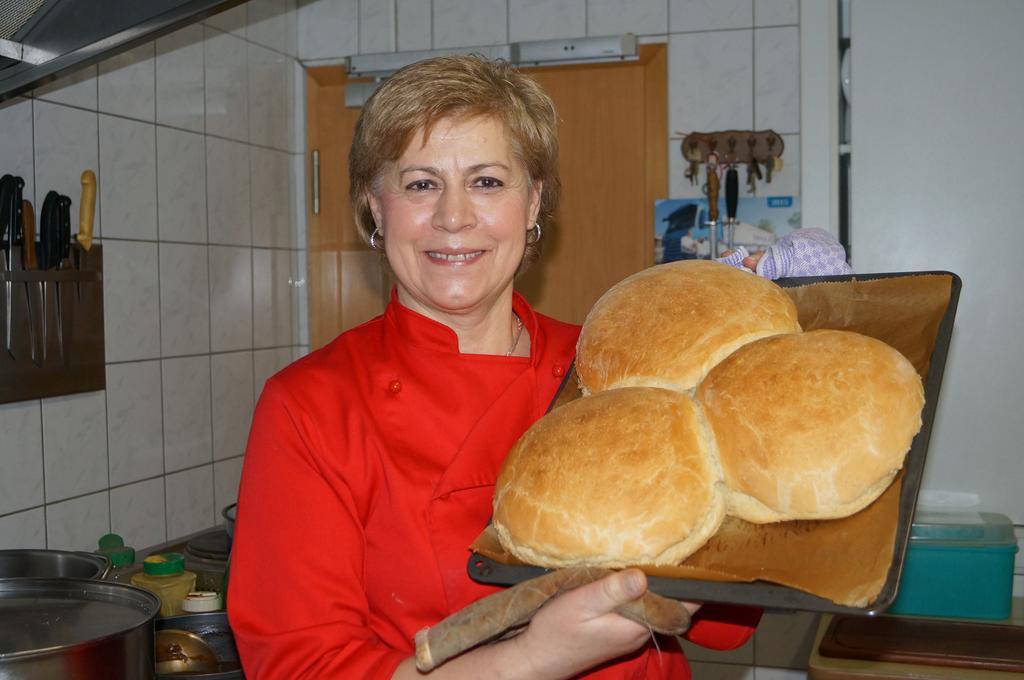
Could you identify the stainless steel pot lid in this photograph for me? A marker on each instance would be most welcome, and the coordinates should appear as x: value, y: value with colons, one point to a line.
x: 45, y: 614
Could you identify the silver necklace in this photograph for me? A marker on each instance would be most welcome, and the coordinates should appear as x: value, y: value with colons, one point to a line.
x: 515, y: 336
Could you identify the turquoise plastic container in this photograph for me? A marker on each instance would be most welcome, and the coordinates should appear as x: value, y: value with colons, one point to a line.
x: 958, y: 565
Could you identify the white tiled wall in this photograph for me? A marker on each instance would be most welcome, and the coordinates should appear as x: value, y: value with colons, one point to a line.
x: 732, y: 64
x: 198, y: 154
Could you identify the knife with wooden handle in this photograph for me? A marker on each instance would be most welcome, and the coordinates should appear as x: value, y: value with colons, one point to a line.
x: 86, y: 211
x: 28, y: 230
x: 86, y: 215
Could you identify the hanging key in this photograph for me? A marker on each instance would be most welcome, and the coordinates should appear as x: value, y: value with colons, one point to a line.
x: 770, y: 165
x: 753, y: 174
x: 692, y: 155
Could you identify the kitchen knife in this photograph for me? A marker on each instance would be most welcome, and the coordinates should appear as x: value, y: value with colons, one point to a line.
x: 49, y: 242
x: 28, y: 263
x: 6, y: 238
x: 49, y: 231
x: 86, y: 210
x: 86, y: 215
x: 63, y: 325
x: 28, y: 235
x: 65, y: 231
x: 14, y: 237
x: 10, y: 210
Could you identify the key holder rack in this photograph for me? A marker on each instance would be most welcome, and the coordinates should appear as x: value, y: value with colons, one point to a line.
x: 721, y: 153
x: 733, y: 147
x: 68, y: 303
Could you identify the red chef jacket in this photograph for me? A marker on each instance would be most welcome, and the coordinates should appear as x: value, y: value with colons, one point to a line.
x: 369, y: 471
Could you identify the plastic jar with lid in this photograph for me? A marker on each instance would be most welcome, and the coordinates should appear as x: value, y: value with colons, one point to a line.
x: 166, y: 577
x: 122, y: 558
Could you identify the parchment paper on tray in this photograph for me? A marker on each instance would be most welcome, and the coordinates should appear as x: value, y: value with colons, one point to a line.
x: 846, y: 565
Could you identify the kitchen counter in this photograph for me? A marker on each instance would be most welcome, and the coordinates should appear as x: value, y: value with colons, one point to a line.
x: 833, y: 668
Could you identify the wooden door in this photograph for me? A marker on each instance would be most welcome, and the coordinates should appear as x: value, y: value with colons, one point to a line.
x: 346, y: 280
x: 613, y: 133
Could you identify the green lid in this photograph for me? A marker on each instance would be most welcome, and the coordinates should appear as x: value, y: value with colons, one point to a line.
x: 120, y: 558
x: 167, y: 564
x: 113, y: 548
x: 111, y: 541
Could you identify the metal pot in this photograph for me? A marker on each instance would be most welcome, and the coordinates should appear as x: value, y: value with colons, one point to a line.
x: 52, y: 564
x: 213, y: 629
x: 75, y: 628
x: 230, y: 513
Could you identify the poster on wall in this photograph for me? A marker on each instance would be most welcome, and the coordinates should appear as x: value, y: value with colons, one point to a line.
x: 681, y: 231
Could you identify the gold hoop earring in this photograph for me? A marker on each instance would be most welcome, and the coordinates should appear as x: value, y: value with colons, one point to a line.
x: 530, y: 238
x: 376, y: 239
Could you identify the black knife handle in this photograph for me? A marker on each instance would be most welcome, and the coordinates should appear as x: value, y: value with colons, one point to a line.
x: 49, y: 231
x: 6, y: 183
x: 65, y: 227
x: 15, y: 210
x: 10, y: 214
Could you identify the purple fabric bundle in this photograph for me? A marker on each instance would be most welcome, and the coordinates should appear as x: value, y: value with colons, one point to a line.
x: 804, y: 252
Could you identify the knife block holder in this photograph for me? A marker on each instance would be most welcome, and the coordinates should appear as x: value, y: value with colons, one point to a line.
x: 733, y: 146
x: 75, y: 360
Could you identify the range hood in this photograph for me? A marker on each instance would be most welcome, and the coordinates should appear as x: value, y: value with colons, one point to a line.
x: 41, y: 40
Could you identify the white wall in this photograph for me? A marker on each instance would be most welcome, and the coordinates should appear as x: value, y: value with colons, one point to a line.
x: 937, y: 98
x: 198, y: 158
x: 819, y: 114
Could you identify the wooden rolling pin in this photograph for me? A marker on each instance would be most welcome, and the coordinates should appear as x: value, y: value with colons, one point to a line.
x: 490, y: 617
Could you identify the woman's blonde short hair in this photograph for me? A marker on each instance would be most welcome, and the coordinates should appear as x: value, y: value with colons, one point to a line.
x: 417, y: 96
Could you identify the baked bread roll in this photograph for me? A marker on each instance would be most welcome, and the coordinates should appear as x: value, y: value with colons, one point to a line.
x: 812, y: 425
x: 666, y: 326
x: 619, y: 478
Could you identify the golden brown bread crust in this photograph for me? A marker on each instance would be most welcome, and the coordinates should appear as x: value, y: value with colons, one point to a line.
x: 811, y: 426
x: 619, y: 478
x: 668, y: 325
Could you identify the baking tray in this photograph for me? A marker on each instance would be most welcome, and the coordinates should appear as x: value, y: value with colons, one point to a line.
x: 972, y: 646
x: 768, y: 595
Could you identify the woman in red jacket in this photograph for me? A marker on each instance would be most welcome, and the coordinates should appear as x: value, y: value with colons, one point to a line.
x: 371, y: 462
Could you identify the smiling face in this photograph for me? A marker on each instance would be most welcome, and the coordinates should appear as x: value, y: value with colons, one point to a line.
x: 454, y: 210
